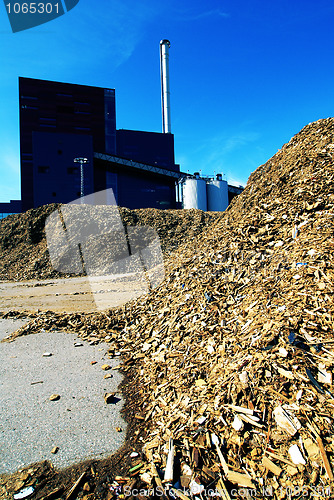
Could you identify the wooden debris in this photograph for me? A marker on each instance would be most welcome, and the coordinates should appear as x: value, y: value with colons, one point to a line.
x: 240, y: 479
x: 278, y: 457
x: 268, y: 464
x: 325, y: 459
x: 215, y: 441
x: 286, y: 420
x: 54, y: 397
x: 242, y: 326
x: 221, y: 488
x: 109, y: 397
x: 105, y: 367
x: 53, y: 495
x: 179, y: 494
x: 170, y: 463
x: 74, y: 490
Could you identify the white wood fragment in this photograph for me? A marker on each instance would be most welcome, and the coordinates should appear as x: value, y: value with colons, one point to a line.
x: 296, y: 455
x: 237, y: 424
x: 286, y: 420
x: 324, y: 376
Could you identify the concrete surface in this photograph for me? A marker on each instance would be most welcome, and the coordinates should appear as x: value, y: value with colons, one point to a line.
x: 95, y: 293
x: 80, y: 423
x: 58, y: 295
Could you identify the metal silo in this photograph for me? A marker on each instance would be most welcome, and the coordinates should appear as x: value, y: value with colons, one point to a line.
x: 194, y: 193
x: 217, y: 194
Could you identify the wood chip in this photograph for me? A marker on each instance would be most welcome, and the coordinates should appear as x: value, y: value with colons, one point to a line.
x: 268, y: 464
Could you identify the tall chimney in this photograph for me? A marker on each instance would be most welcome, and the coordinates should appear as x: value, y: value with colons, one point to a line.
x: 165, y: 92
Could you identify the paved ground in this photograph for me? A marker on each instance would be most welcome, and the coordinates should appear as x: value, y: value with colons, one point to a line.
x: 68, y: 295
x: 71, y: 294
x: 80, y: 423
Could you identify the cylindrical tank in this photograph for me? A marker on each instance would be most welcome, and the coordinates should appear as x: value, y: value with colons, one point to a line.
x: 217, y: 194
x: 194, y: 194
x: 165, y: 90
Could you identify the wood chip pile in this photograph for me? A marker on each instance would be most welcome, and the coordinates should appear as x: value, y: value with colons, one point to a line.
x: 23, y: 247
x: 231, y: 358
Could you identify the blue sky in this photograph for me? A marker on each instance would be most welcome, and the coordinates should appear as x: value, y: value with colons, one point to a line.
x: 246, y: 75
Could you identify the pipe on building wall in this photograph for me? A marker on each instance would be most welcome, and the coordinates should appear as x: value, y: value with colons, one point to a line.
x: 165, y: 90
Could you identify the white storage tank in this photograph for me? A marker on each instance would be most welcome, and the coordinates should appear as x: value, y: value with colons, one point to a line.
x: 217, y: 194
x: 194, y: 193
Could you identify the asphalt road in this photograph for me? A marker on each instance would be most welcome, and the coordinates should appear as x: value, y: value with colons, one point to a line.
x: 79, y: 423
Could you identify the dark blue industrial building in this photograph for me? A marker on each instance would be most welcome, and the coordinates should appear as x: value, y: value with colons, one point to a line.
x: 9, y: 208
x: 60, y: 122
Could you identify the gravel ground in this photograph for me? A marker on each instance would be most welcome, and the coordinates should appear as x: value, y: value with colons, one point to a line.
x: 80, y: 423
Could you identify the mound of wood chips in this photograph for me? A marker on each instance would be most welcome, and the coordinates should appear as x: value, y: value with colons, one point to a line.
x: 230, y: 360
x: 23, y: 247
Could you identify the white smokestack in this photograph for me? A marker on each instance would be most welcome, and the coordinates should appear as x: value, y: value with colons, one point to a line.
x: 165, y: 92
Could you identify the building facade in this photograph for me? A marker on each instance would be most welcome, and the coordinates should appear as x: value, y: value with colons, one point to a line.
x: 60, y: 122
x: 9, y: 208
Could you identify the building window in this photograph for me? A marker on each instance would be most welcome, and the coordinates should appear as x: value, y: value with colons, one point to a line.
x: 24, y: 106
x: 43, y: 169
x: 31, y: 98
x: 64, y: 95
x: 54, y: 194
x: 65, y: 109
x: 47, y: 125
x: 82, y: 128
x: 48, y: 120
x: 72, y: 170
